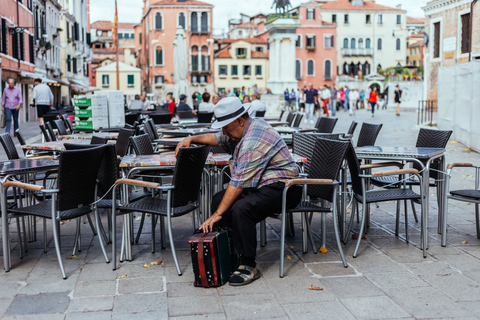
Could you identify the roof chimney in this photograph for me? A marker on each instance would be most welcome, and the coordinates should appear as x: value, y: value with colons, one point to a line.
x: 399, y: 6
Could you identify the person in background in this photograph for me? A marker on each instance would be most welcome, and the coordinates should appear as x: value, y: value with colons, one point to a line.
x: 293, y: 100
x: 286, y: 96
x: 136, y: 104
x: 300, y: 100
x: 171, y: 103
x: 367, y: 96
x: 42, y: 98
x: 398, y: 95
x: 326, y: 95
x: 347, y: 91
x: 269, y: 91
x: 205, y: 105
x: 341, y: 98
x: 333, y: 99
x: 353, y: 97
x: 11, y: 102
x: 246, y: 99
x: 215, y: 99
x: 256, y: 105
x: 373, y: 100
x: 251, y: 92
x: 183, y: 106
x: 310, y: 101
x: 362, y: 99
x: 255, y: 89
x: 230, y: 93
x: 195, y: 101
x: 146, y: 103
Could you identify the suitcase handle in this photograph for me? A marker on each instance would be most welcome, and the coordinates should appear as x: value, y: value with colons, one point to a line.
x: 201, y: 264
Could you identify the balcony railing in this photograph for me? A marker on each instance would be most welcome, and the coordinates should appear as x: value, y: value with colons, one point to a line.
x: 357, y: 51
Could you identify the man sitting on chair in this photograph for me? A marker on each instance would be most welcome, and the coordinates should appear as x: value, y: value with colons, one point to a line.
x: 260, y: 160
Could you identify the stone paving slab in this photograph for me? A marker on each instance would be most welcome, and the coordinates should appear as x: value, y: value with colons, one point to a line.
x: 389, y: 278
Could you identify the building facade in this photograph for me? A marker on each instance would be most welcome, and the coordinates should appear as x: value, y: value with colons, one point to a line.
x: 155, y: 47
x: 129, y: 76
x: 415, y: 46
x: 17, y: 60
x: 241, y: 63
x: 453, y: 31
x: 370, y: 36
x: 245, y: 27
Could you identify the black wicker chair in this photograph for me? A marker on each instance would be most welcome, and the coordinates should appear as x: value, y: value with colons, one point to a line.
x: 123, y: 141
x: 298, y: 120
x: 9, y: 146
x: 153, y: 128
x: 352, y: 128
x: 131, y: 118
x: 322, y: 185
x: 142, y: 144
x: 98, y: 140
x: 77, y: 175
x: 204, y: 117
x: 260, y: 114
x: 365, y: 197
x: 368, y: 134
x: 160, y: 118
x: 62, y: 130
x: 53, y: 137
x: 290, y: 118
x: 184, y: 115
x: 182, y: 195
x: 45, y: 134
x: 325, y: 124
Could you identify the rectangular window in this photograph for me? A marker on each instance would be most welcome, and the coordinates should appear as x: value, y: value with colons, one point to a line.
x: 222, y: 70
x: 298, y: 42
x: 120, y: 36
x: 258, y: 70
x: 247, y: 70
x: 31, y: 45
x: 21, y: 46
x: 380, y: 19
x: 259, y: 49
x: 15, y: 45
x: 130, y: 80
x: 328, y: 42
x: 74, y: 65
x: 436, y: 40
x: 140, y: 38
x: 69, y: 59
x: 77, y: 31
x: 367, y: 19
x: 234, y: 70
x: 159, y: 79
x: 68, y: 30
x: 310, y: 42
x: 3, y: 40
x: 105, y: 80
x: 310, y: 14
x: 399, y: 19
x: 334, y: 18
x: 241, y: 52
x: 158, y: 57
x: 465, y: 46
x: 345, y: 19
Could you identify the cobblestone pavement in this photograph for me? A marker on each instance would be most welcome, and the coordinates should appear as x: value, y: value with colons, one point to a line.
x: 389, y: 278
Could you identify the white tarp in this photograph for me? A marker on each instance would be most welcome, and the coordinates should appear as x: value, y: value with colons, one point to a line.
x: 459, y: 102
x: 180, y: 67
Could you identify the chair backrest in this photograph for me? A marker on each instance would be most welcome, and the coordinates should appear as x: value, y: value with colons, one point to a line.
x: 204, y: 117
x: 153, y: 128
x: 46, y: 136
x: 108, y: 170
x: 298, y: 120
x: 131, y: 118
x: 184, y: 115
x: 188, y: 174
x: 259, y: 114
x: 20, y: 137
x: 9, y: 146
x: 304, y: 143
x: 68, y: 122
x: 64, y: 118
x: 53, y: 137
x: 290, y: 118
x: 123, y: 141
x: 354, y: 168
x: 77, y: 176
x: 326, y: 125
x: 429, y: 138
x: 62, y: 130
x: 129, y: 126
x: 368, y: 134
x: 98, y: 140
x: 142, y: 144
x: 160, y: 118
x: 281, y: 115
x: 352, y: 128
x: 148, y: 130
x: 326, y: 162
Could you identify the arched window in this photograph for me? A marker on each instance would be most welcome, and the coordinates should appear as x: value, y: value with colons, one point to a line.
x: 310, y: 68
x: 353, y: 43
x: 193, y: 22
x: 345, y: 43
x: 345, y: 68
x: 352, y: 69
x: 366, y: 68
x: 159, y: 56
x: 327, y: 70
x: 360, y: 43
x: 194, y: 55
x: 181, y: 20
x: 379, y: 44
x: 414, y: 63
x: 158, y: 21
x: 367, y: 43
x: 398, y: 46
x: 205, y: 59
x: 298, y: 69
x: 379, y: 67
x: 204, y: 22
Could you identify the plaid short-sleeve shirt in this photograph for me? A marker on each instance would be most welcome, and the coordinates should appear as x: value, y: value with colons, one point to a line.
x: 260, y: 158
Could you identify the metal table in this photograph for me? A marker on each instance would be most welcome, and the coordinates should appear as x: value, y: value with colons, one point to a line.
x: 88, y: 136
x: 186, y: 132
x: 422, y: 156
x: 277, y: 123
x: 290, y: 130
x: 7, y: 170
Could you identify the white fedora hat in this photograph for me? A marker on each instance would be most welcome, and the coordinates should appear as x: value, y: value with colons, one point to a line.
x: 227, y: 110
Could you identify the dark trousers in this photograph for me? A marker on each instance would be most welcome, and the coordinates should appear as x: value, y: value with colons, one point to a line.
x: 250, y: 208
x: 11, y: 113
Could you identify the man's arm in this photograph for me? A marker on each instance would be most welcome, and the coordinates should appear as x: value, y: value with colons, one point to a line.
x: 51, y: 97
x: 20, y: 99
x: 231, y: 194
x: 208, y: 139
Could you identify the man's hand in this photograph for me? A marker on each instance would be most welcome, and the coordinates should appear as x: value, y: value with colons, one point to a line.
x: 18, y: 107
x: 184, y: 143
x: 207, y: 226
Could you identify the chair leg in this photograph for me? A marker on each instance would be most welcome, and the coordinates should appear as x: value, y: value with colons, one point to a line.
x: 139, y: 232
x: 113, y: 237
x: 44, y: 235
x: 352, y: 219
x: 25, y: 240
x: 91, y: 224
x: 337, y: 236
x: 397, y: 220
x: 172, y: 245
x: 310, y: 235
x: 100, y: 229
x: 304, y: 220
x: 263, y: 233
x: 406, y: 220
x: 76, y: 247
x: 362, y: 227
x: 414, y: 211
x: 324, y: 229
x: 477, y: 220
x: 162, y: 229
x: 98, y: 223
x: 20, y: 245
x: 153, y: 224
x: 56, y: 236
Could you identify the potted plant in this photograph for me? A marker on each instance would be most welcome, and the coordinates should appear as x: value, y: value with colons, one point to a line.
x: 43, y: 42
x: 59, y: 29
x: 241, y: 56
x: 48, y: 45
x: 310, y: 48
x: 69, y: 40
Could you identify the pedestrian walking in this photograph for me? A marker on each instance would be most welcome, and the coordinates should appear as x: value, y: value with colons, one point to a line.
x: 301, y: 100
x: 333, y: 100
x: 353, y: 97
x: 293, y: 100
x: 42, y: 98
x: 286, y: 96
x: 341, y: 98
x: 326, y: 95
x: 310, y: 101
x: 347, y: 92
x: 373, y: 99
x: 398, y: 95
x: 11, y: 102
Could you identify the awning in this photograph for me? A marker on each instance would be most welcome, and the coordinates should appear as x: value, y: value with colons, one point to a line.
x: 78, y: 83
x: 25, y: 74
x: 91, y: 89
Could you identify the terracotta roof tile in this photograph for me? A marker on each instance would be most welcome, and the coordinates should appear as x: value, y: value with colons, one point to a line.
x: 256, y: 54
x: 347, y: 5
x: 249, y: 40
x: 223, y: 53
x: 183, y: 3
x: 108, y: 25
x: 411, y: 20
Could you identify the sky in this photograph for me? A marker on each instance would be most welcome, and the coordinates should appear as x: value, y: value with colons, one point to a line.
x: 131, y: 10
